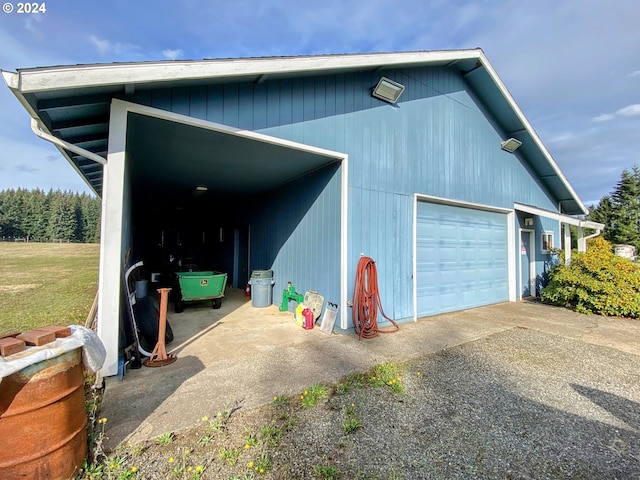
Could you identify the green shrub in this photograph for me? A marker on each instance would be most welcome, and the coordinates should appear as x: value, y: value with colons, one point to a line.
x: 596, y: 281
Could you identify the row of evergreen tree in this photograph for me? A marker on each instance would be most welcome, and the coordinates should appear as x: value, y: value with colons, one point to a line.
x: 620, y: 210
x: 55, y: 216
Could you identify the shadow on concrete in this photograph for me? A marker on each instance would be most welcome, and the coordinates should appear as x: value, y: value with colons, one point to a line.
x: 131, y: 401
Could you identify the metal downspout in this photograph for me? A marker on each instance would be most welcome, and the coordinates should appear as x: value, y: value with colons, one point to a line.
x: 38, y: 130
x: 582, y: 242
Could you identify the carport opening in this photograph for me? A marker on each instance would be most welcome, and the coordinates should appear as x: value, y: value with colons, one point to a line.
x: 205, y: 199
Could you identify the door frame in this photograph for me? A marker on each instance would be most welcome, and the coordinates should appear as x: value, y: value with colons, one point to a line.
x: 532, y: 261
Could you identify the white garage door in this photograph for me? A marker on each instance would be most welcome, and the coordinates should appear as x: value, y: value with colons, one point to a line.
x: 462, y: 258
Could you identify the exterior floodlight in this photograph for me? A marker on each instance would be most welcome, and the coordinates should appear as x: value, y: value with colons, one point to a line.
x: 510, y: 145
x: 201, y: 188
x: 388, y: 90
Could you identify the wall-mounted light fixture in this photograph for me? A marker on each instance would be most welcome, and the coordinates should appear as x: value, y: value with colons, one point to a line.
x: 528, y: 222
x: 388, y: 90
x: 510, y: 145
x: 199, y: 190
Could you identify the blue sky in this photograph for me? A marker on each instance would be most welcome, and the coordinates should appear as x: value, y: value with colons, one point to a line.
x: 573, y: 66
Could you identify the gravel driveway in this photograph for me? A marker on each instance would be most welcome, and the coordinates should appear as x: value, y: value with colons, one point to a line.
x: 519, y: 404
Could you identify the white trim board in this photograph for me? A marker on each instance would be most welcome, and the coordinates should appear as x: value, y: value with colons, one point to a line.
x: 532, y: 261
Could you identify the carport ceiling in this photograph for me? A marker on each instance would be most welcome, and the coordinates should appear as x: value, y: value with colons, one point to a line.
x: 171, y: 159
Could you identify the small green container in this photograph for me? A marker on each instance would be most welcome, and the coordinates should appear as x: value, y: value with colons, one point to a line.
x: 198, y: 286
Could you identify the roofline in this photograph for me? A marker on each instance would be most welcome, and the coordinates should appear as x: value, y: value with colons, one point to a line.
x: 41, y: 79
x: 33, y: 80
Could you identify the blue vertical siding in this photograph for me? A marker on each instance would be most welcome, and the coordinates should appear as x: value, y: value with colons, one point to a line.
x: 295, y: 231
x: 436, y: 141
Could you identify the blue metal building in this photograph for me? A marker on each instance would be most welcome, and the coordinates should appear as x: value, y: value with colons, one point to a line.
x: 304, y: 164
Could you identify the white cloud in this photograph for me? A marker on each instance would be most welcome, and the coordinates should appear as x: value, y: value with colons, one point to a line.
x: 31, y: 24
x: 635, y: 74
x: 562, y: 138
x: 107, y: 48
x: 103, y: 46
x: 172, y: 54
x: 628, y: 111
x: 605, y: 117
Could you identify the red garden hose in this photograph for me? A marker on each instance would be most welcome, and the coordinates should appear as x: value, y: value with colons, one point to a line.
x: 366, y: 301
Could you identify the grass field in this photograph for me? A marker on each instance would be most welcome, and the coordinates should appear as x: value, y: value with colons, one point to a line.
x: 46, y: 284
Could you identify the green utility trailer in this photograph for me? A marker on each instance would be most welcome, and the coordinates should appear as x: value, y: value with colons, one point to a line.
x: 200, y: 286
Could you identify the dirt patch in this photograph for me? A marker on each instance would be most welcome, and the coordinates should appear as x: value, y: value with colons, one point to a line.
x: 13, y: 289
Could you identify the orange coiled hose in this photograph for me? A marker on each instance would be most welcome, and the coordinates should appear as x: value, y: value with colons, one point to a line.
x: 366, y: 301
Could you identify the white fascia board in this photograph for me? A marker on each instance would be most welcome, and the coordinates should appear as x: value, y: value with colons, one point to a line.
x: 560, y: 217
x: 12, y: 79
x: 534, y: 136
x: 79, y: 76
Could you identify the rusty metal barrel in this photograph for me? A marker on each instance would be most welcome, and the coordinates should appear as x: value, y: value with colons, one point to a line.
x: 43, y: 420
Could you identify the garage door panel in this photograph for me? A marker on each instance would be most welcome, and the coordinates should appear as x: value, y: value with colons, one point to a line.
x: 462, y: 259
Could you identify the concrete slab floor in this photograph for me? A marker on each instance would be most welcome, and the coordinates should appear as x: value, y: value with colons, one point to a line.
x: 246, y: 355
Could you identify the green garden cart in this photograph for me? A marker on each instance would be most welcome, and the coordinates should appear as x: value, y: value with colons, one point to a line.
x: 200, y: 286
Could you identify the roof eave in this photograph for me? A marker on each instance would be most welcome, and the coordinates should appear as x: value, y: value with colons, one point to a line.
x: 83, y: 76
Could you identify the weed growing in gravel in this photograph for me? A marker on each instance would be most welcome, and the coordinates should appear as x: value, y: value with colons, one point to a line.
x: 231, y: 455
x: 205, y: 440
x: 165, y: 439
x: 219, y: 422
x: 281, y: 400
x: 183, y: 468
x: 262, y: 464
x: 387, y: 374
x: 352, y: 423
x: 251, y: 440
x: 325, y: 472
x: 310, y: 397
x: 272, y: 434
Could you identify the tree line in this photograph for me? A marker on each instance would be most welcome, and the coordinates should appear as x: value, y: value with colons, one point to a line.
x: 620, y: 210
x: 55, y: 216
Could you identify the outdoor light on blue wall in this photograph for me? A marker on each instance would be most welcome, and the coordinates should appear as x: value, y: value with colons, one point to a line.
x: 510, y: 145
x: 388, y: 90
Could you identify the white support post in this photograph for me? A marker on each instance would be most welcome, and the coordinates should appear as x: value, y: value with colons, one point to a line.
x: 110, y: 282
x: 582, y: 242
x: 567, y: 243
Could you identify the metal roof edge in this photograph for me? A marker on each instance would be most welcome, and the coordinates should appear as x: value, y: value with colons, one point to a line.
x: 92, y: 75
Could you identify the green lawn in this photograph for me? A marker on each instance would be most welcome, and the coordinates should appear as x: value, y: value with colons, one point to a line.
x: 46, y: 284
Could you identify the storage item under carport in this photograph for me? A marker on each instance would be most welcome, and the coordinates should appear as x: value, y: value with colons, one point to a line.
x: 200, y: 286
x: 261, y: 288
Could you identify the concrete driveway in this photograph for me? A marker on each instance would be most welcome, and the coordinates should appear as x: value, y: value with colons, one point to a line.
x: 247, y: 355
